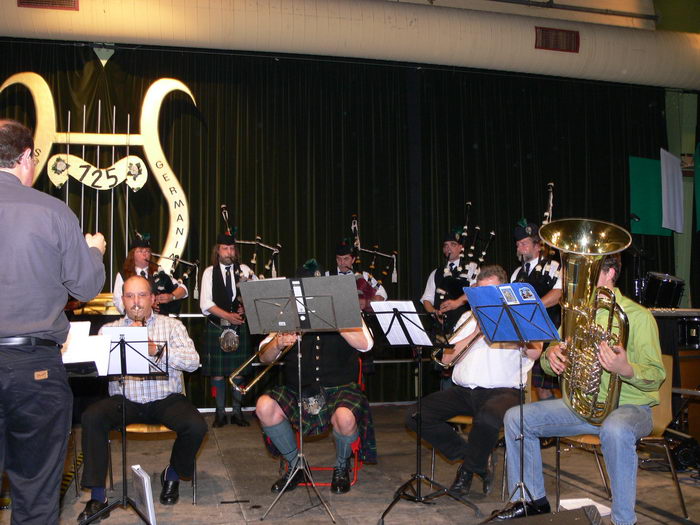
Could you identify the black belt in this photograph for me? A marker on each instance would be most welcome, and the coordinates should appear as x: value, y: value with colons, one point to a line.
x: 26, y: 341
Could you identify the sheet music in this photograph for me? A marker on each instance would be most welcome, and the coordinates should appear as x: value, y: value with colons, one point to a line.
x: 394, y: 332
x: 81, y: 347
x: 137, y: 361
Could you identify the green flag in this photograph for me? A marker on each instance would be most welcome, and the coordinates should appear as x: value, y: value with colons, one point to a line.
x: 645, y: 196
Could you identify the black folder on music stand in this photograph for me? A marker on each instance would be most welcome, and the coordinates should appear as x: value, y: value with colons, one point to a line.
x: 512, y: 313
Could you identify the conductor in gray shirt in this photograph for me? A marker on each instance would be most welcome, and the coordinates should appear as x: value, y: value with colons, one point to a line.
x: 44, y: 257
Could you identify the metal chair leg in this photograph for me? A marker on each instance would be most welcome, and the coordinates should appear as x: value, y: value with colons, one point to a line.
x: 432, y: 467
x: 194, y: 483
x: 602, y: 473
x: 675, y: 479
x: 75, y: 464
x: 109, y: 464
x: 558, y: 474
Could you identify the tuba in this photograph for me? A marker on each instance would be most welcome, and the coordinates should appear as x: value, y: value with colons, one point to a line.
x: 583, y: 245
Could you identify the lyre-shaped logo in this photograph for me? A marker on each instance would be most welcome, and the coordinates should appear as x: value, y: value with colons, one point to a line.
x: 130, y: 169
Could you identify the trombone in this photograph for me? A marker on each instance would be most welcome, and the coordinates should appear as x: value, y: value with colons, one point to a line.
x: 466, y: 325
x: 244, y: 389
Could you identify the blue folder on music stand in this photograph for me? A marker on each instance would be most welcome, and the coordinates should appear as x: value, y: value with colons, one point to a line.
x: 511, y: 313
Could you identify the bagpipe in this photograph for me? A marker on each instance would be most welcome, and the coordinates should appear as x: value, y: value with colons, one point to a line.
x: 365, y: 279
x: 166, y: 282
x: 473, y: 255
x: 229, y: 339
x: 261, y: 251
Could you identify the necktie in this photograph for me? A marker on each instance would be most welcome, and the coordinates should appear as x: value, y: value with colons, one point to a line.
x: 527, y: 268
x: 229, y: 287
x: 143, y: 274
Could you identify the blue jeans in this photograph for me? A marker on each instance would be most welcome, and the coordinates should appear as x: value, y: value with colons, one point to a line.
x: 552, y: 418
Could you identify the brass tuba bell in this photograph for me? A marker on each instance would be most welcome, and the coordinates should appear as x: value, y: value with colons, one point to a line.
x: 583, y: 245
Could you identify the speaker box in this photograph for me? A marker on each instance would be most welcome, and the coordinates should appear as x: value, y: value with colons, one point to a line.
x: 583, y: 516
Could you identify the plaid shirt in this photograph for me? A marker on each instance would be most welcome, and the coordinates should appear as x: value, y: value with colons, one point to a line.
x: 182, y: 356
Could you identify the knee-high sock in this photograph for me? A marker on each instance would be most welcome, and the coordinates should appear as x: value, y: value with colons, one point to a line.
x: 218, y: 387
x: 343, y: 448
x: 283, y: 438
x: 236, y: 396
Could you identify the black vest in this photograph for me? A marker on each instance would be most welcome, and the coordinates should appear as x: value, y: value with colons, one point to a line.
x: 542, y: 282
x: 219, y: 294
x: 326, y: 360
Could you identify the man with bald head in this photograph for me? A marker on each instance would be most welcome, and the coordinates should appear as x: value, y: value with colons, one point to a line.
x: 156, y: 400
x: 44, y: 258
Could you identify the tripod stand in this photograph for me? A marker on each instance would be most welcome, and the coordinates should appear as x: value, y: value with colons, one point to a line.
x: 411, y: 490
x: 301, y: 462
x: 124, y: 501
x: 301, y: 305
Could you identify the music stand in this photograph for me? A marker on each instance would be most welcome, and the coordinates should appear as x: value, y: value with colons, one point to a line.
x: 155, y: 369
x: 310, y: 304
x: 405, y: 329
x: 512, y: 313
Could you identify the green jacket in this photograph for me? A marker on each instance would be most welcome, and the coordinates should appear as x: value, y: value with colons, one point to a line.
x: 643, y: 353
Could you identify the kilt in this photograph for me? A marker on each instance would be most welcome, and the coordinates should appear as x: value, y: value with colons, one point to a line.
x: 215, y: 362
x: 348, y: 396
x: 542, y: 380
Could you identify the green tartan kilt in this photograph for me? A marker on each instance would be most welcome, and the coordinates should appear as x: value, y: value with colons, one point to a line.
x: 215, y: 362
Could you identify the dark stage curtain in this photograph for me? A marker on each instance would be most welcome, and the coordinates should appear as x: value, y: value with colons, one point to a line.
x: 294, y: 146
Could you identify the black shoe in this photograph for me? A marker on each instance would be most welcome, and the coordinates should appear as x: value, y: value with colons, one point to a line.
x: 93, y: 507
x: 487, y: 480
x: 220, y: 419
x: 518, y: 510
x: 170, y: 492
x: 462, y: 482
x: 547, y: 442
x: 237, y: 418
x: 341, y: 480
x: 278, y: 485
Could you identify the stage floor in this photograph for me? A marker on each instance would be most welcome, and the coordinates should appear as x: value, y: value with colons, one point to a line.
x: 235, y: 474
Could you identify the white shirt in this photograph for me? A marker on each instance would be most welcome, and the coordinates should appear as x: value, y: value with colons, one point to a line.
x: 119, y: 282
x: 495, y: 366
x: 205, y: 298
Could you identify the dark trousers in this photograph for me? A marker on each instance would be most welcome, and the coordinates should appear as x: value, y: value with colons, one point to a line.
x: 35, y: 413
x: 486, y: 405
x: 175, y: 412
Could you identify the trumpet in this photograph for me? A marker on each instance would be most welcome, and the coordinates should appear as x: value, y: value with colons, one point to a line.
x: 244, y: 389
x: 466, y: 325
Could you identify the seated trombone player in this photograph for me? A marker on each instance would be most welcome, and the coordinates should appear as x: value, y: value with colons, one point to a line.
x: 486, y: 380
x: 331, y: 398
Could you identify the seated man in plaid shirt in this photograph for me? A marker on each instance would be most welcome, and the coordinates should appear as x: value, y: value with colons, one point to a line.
x: 331, y: 397
x: 159, y: 400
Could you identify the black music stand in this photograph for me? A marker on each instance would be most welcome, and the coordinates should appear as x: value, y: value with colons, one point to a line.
x: 155, y: 370
x: 512, y: 313
x: 405, y: 329
x: 310, y: 304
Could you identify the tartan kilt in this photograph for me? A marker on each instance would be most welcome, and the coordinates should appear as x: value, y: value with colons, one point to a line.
x: 348, y: 396
x: 540, y: 379
x: 216, y: 362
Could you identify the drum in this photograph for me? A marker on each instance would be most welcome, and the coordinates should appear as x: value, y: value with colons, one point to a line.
x: 689, y: 333
x: 662, y: 290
